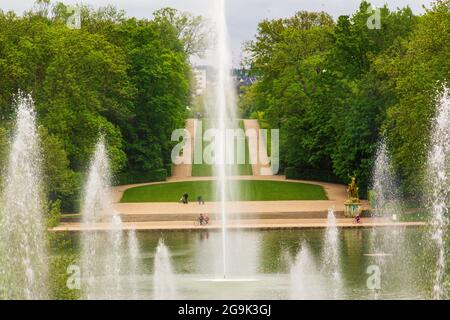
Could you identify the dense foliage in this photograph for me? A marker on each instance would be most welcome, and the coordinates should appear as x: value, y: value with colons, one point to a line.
x: 334, y: 88
x: 125, y: 78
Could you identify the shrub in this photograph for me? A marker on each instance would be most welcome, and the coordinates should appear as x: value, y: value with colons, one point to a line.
x: 141, y: 177
x: 311, y: 174
x: 54, y: 213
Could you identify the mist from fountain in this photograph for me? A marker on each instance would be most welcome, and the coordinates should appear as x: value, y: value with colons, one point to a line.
x: 438, y: 172
x: 102, y: 251
x: 23, y: 254
x: 331, y: 260
x: 164, y: 287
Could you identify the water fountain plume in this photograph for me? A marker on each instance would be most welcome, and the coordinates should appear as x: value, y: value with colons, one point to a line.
x: 102, y: 252
x: 23, y: 260
x: 331, y: 253
x: 224, y: 115
x: 133, y: 263
x: 387, y: 198
x: 164, y: 287
x: 438, y: 173
x: 392, y: 252
x: 114, y: 257
x: 386, y: 204
x: 303, y: 276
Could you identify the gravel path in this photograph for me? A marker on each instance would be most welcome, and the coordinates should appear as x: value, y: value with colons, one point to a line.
x: 183, y: 171
x: 259, y: 160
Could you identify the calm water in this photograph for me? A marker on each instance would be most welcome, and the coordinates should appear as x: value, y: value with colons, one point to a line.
x: 260, y: 264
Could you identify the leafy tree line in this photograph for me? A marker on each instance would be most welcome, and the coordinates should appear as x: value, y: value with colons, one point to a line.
x: 125, y: 78
x: 334, y: 88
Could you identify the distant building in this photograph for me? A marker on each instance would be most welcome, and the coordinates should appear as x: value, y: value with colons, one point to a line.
x: 200, y: 75
x: 242, y: 78
x: 247, y: 81
x: 205, y: 76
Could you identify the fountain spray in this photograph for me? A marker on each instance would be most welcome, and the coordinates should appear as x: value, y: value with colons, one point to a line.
x: 23, y: 264
x: 224, y: 115
x: 331, y: 253
x: 439, y: 185
x: 102, y: 252
x: 163, y: 279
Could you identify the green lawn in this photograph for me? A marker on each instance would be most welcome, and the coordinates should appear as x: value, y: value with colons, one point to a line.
x: 206, y: 170
x: 243, y: 190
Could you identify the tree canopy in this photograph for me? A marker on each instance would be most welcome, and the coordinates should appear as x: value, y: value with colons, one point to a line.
x: 124, y: 78
x: 334, y: 88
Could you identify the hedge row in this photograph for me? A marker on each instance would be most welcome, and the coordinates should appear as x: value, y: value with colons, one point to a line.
x: 141, y: 177
x: 311, y: 174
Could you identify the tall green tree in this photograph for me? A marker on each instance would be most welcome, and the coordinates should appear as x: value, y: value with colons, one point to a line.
x: 159, y: 71
x: 415, y: 74
x: 126, y: 79
x: 319, y: 83
x: 359, y: 119
x: 289, y: 56
x: 192, y: 31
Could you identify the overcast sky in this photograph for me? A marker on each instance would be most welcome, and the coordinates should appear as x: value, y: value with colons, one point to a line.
x: 242, y: 15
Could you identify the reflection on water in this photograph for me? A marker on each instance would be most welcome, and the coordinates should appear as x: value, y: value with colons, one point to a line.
x: 267, y: 258
x: 242, y: 257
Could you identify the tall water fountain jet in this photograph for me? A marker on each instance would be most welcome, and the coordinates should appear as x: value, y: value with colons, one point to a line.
x: 101, y: 257
x: 23, y: 260
x: 331, y: 254
x: 164, y: 287
x: 224, y: 115
x: 439, y: 185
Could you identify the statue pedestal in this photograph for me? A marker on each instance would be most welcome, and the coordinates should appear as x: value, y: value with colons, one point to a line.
x: 352, y: 209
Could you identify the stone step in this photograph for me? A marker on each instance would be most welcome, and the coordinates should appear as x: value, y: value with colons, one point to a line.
x: 233, y: 216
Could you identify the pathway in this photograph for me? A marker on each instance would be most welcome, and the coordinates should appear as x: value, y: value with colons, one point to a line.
x: 183, y: 171
x: 259, y: 160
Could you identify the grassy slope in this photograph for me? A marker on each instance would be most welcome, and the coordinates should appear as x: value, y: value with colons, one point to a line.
x: 205, y: 170
x: 249, y: 190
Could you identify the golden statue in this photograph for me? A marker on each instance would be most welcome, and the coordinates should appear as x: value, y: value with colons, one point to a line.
x: 352, y: 205
x: 352, y: 191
